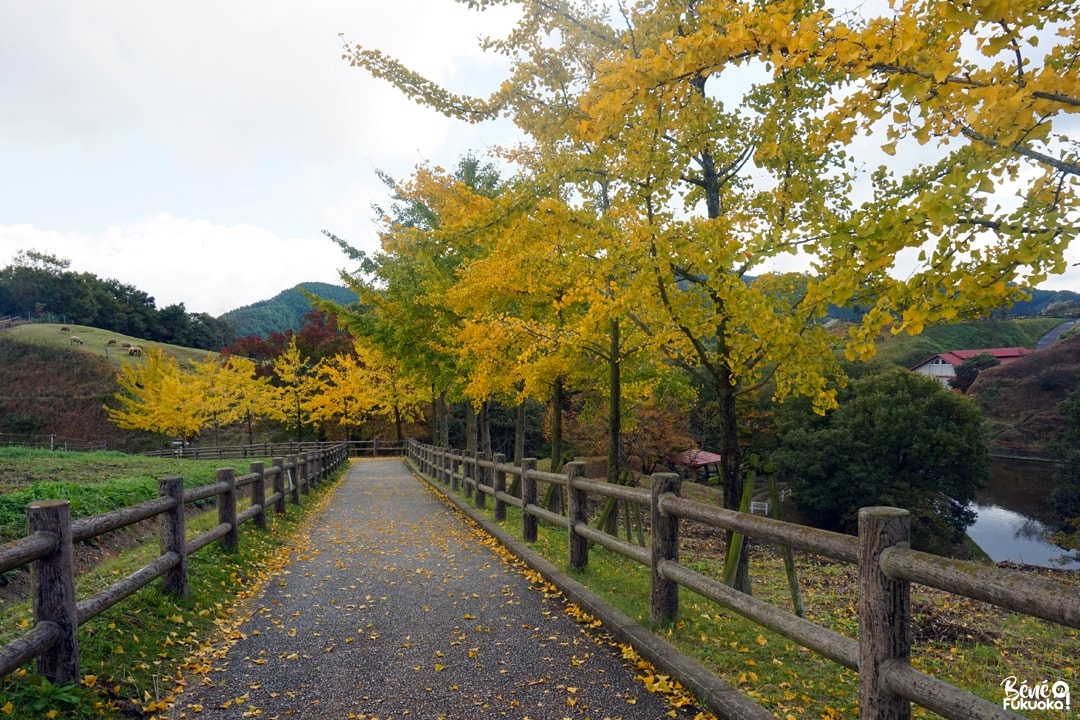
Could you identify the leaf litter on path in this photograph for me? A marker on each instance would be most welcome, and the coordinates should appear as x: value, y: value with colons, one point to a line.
x: 395, y: 606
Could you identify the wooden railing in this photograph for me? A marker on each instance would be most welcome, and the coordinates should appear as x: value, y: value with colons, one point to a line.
x: 356, y: 448
x: 886, y: 567
x: 49, y: 550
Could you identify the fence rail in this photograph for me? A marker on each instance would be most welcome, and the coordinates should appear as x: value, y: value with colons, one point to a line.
x: 52, y: 442
x: 355, y: 448
x: 48, y: 549
x: 886, y: 568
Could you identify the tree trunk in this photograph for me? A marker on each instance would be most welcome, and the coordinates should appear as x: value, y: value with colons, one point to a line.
x: 614, y: 405
x: 519, y: 434
x: 731, y: 468
x: 485, y: 427
x: 556, y: 425
x: 470, y: 427
x: 397, y: 425
x: 444, y: 421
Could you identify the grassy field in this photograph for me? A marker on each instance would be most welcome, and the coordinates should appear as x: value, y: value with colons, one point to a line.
x: 95, y: 342
x: 135, y: 656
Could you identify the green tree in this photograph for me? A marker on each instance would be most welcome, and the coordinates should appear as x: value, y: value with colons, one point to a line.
x: 1066, y: 495
x: 402, y: 286
x: 897, y: 438
x: 967, y: 371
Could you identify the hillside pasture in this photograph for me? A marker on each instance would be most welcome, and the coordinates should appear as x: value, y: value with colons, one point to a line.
x: 95, y: 342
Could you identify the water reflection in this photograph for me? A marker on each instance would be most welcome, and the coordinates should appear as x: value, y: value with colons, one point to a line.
x: 1014, y: 515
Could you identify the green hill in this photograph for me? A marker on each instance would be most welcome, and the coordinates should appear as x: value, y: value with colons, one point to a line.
x: 284, y: 311
x: 907, y: 351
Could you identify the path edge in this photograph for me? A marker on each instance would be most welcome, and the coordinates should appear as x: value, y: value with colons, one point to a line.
x: 716, y: 694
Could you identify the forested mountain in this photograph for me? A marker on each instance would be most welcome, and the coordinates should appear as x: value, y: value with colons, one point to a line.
x: 1057, y: 303
x: 285, y: 311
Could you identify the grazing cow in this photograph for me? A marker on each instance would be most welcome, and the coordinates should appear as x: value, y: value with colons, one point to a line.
x: 75, y: 340
x: 110, y: 341
x: 134, y: 350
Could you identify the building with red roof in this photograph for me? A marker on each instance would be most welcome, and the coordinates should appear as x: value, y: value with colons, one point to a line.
x: 943, y: 365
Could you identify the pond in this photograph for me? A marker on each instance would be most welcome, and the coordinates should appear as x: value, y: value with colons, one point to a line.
x: 1014, y: 515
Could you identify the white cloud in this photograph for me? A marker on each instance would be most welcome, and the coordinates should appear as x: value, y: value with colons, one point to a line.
x: 138, y: 134
x: 210, y: 268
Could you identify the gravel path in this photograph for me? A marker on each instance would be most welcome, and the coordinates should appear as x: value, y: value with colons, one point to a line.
x: 395, y: 608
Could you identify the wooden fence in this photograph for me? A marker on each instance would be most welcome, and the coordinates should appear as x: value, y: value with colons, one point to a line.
x: 49, y: 550
x: 52, y: 442
x: 355, y: 448
x: 886, y: 567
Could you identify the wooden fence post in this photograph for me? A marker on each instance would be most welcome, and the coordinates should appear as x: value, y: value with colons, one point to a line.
x: 173, y: 530
x: 279, y: 484
x: 303, y: 473
x: 483, y: 477
x: 884, y: 611
x: 450, y: 468
x: 498, y: 483
x: 665, y: 546
x: 294, y: 479
x: 528, y: 497
x: 577, y: 512
x: 258, y: 493
x: 52, y: 580
x: 230, y: 541
x: 468, y: 476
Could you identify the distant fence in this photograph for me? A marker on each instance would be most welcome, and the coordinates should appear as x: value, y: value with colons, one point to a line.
x: 11, y: 321
x: 49, y: 550
x: 52, y: 442
x: 887, y: 566
x: 355, y: 448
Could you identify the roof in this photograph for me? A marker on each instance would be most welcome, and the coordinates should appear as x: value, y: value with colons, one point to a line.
x: 693, y: 458
x: 956, y: 357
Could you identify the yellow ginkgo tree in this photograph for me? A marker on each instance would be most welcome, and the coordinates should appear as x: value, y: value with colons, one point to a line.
x: 158, y: 397
x: 291, y: 372
x: 762, y: 162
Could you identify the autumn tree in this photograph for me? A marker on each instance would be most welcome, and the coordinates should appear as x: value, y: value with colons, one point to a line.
x: 719, y: 188
x: 157, y: 396
x: 291, y: 376
x: 255, y: 396
x: 401, y: 287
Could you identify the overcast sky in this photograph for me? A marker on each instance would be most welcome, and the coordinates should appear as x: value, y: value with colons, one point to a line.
x: 195, y: 150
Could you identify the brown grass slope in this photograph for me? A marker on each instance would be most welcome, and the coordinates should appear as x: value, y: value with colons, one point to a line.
x: 1020, y: 400
x: 46, y: 390
x: 48, y: 386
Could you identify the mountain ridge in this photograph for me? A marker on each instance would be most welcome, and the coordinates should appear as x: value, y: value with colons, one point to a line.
x: 284, y: 311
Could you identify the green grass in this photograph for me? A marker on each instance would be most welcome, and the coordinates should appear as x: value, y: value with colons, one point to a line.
x: 968, y: 643
x: 134, y: 657
x: 906, y: 350
x: 94, y: 482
